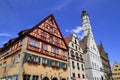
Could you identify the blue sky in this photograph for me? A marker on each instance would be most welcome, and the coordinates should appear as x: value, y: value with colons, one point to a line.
x: 17, y: 15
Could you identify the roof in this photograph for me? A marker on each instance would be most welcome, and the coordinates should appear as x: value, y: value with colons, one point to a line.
x: 83, y: 43
x: 68, y: 39
x: 24, y: 33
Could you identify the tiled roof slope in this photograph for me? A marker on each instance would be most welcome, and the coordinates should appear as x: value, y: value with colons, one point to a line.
x: 68, y: 39
x: 83, y: 43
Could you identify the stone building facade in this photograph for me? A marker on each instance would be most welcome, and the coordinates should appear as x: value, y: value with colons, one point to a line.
x: 76, y: 67
x: 105, y: 62
x: 116, y: 71
x: 93, y: 63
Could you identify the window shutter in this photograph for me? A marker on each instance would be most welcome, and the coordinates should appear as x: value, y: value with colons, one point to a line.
x: 39, y: 60
x: 66, y: 66
x: 60, y: 65
x: 25, y: 57
x: 48, y: 63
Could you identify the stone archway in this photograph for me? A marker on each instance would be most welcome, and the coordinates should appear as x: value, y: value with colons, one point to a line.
x: 45, y: 78
x: 63, y: 79
x: 55, y: 78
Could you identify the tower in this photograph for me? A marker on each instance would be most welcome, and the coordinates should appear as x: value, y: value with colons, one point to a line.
x: 93, y: 63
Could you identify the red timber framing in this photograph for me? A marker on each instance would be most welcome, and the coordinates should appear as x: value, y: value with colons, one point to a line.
x: 47, y: 32
x: 11, y: 50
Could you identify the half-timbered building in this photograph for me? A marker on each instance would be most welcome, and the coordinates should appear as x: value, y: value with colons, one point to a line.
x: 38, y: 53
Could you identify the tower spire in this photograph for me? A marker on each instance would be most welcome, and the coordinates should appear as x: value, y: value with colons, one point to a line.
x: 86, y: 23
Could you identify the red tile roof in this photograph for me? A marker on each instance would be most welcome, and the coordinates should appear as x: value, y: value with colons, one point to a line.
x: 68, y: 39
x: 83, y: 43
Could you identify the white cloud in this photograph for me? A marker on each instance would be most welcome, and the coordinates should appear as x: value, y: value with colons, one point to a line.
x: 5, y: 35
x: 66, y: 30
x: 78, y: 30
x: 62, y: 5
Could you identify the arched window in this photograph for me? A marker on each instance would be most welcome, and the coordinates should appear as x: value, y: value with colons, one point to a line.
x: 55, y: 78
x: 75, y: 41
x: 72, y: 53
x: 45, y: 78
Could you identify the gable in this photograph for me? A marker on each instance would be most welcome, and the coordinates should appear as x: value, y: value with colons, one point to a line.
x: 47, y: 28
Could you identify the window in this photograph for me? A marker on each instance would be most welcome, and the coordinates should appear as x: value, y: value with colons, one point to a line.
x: 34, y: 43
x: 35, y: 77
x: 83, y: 76
x: 51, y: 39
x: 0, y: 64
x: 116, y: 65
x: 57, y: 40
x: 44, y: 60
x: 119, y: 69
x: 76, y: 47
x: 73, y: 74
x: 57, y: 63
x: 78, y: 66
x: 72, y: 45
x: 26, y: 77
x: 54, y: 50
x: 73, y: 64
x: 33, y: 59
x: 75, y: 41
x: 63, y: 53
x: 50, y: 21
x: 46, y: 26
x: 78, y: 75
x: 115, y: 69
x: 51, y: 30
x: 4, y: 63
x: 17, y: 58
x: 82, y: 67
x: 72, y: 53
x: 44, y: 46
x: 44, y: 35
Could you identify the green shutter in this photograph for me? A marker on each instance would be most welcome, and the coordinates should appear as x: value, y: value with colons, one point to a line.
x: 59, y: 64
x: 39, y: 60
x: 66, y: 66
x: 25, y: 57
x: 49, y: 62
